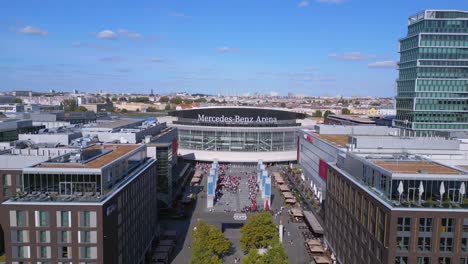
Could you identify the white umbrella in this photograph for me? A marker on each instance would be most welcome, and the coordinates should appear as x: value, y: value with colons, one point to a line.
x: 421, y: 189
x: 400, y: 189
x: 462, y: 191
x: 302, y: 177
x: 311, y: 184
x: 442, y: 190
x: 290, y: 165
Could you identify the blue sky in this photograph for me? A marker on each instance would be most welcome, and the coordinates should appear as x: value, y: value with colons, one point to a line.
x: 315, y: 47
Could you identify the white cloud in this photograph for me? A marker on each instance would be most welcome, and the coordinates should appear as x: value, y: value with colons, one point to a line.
x: 383, y: 65
x: 227, y: 49
x: 331, y: 1
x: 303, y: 4
x: 33, y: 31
x: 154, y: 59
x: 353, y: 56
x: 128, y: 34
x: 106, y: 34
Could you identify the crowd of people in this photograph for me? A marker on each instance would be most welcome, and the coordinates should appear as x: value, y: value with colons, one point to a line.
x: 230, y: 183
x: 253, y: 190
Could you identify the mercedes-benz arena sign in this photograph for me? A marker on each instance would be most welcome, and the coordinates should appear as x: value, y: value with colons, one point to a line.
x: 237, y: 134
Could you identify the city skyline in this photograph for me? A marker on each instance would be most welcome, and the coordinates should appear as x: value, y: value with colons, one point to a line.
x: 304, y: 47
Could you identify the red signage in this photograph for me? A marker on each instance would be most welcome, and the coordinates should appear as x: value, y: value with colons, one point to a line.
x: 174, y: 146
x: 323, y: 168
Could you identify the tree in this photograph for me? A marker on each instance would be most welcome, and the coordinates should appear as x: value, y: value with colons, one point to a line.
x: 124, y: 111
x: 283, y: 105
x: 201, y: 100
x: 213, y: 101
x: 17, y: 101
x: 122, y: 99
x: 275, y: 254
x: 164, y: 99
x: 139, y: 100
x: 345, y: 111
x: 188, y: 101
x: 317, y: 113
x: 327, y: 113
x: 114, y: 99
x: 258, y: 232
x: 69, y: 105
x: 80, y: 109
x: 176, y: 100
x: 167, y: 107
x: 209, y: 244
x: 151, y: 109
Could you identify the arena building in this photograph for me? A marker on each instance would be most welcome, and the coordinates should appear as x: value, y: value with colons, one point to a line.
x: 238, y: 134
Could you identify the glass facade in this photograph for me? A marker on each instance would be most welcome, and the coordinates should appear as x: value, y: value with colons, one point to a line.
x: 432, y: 88
x: 237, y: 139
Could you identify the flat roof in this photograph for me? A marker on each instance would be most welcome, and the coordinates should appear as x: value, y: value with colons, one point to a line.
x: 337, y: 140
x: 356, y: 118
x: 116, y: 151
x: 118, y: 123
x: 415, y: 167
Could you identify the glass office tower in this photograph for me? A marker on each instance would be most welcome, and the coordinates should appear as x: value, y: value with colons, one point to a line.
x: 432, y: 88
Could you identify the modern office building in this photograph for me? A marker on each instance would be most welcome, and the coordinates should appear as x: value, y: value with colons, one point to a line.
x: 238, y: 134
x: 396, y: 209
x: 11, y: 128
x: 96, y: 205
x: 432, y: 87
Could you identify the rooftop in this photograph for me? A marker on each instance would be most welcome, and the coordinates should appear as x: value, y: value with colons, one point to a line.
x: 337, y: 140
x: 111, y: 153
x: 415, y: 167
x: 119, y: 123
x: 354, y: 118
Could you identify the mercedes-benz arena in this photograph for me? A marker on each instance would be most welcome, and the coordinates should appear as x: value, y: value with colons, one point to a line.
x: 238, y: 134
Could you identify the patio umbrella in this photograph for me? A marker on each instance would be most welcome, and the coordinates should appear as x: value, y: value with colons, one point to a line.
x: 442, y: 190
x: 421, y: 190
x: 267, y: 206
x: 462, y: 191
x: 302, y: 177
x: 400, y: 189
x: 311, y: 184
x: 320, y: 197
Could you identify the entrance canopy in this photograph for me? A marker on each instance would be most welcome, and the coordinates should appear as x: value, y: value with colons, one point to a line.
x: 313, y: 222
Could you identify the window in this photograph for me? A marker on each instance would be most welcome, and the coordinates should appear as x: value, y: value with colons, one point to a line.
x: 423, y: 260
x: 42, y: 218
x: 43, y: 252
x: 445, y: 260
x: 402, y: 243
x: 64, y: 237
x: 446, y: 244
x: 87, y: 219
x: 64, y: 252
x: 464, y: 260
x: 404, y: 224
x: 424, y: 244
x: 464, y: 244
x: 21, y: 218
x: 64, y: 219
x: 425, y: 224
x: 401, y: 260
x: 42, y: 236
x: 447, y: 225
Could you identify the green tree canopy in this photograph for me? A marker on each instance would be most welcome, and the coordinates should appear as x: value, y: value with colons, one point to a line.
x: 139, y: 100
x: 209, y: 244
x: 258, y: 232
x: 188, y: 101
x: 275, y: 254
x: 164, y: 99
x: 317, y: 113
x: 327, y: 113
x: 201, y: 100
x: 17, y: 101
x: 69, y: 105
x: 176, y: 100
x: 345, y: 111
x: 80, y: 109
x: 213, y: 101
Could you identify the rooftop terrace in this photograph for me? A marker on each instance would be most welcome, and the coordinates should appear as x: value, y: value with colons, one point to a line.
x: 415, y: 167
x: 337, y: 140
x: 111, y: 153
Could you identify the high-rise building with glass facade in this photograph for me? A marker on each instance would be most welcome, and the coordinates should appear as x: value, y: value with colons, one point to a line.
x: 432, y: 88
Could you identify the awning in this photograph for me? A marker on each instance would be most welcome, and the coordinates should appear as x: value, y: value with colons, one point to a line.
x: 313, y: 222
x: 316, y: 249
x: 313, y: 242
x: 291, y: 201
x: 195, y: 180
x: 288, y: 195
x: 322, y: 260
x: 284, y: 188
x: 296, y: 212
